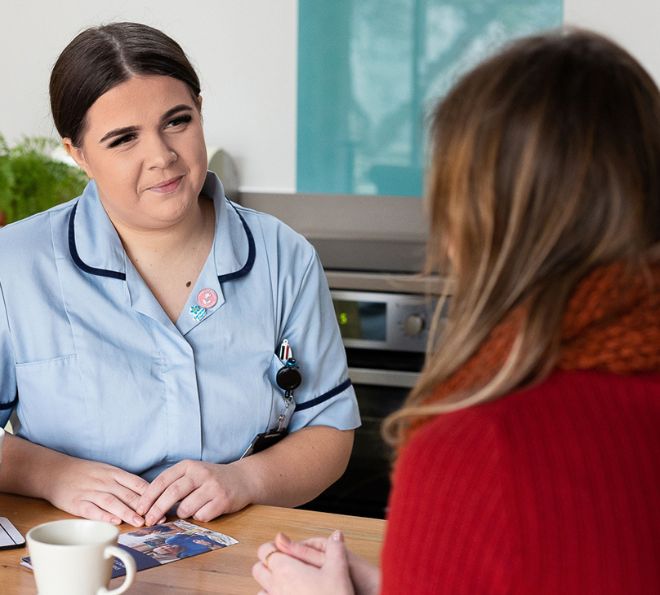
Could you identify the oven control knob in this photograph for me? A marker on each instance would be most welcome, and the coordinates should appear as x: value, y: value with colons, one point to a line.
x: 413, y: 325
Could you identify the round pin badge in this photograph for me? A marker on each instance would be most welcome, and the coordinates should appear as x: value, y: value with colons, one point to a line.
x: 207, y: 298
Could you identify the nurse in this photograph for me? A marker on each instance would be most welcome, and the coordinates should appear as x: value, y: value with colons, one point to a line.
x: 141, y: 323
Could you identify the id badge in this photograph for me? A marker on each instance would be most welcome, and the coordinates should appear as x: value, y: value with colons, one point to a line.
x: 263, y: 441
x: 285, y: 417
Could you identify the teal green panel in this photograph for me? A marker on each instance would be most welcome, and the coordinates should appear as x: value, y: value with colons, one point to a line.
x: 369, y: 71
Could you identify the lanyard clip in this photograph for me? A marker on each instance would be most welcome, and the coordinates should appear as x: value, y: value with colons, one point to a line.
x: 288, y: 377
x: 285, y: 353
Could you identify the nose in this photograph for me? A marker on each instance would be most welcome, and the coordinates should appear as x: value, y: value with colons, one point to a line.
x: 160, y: 154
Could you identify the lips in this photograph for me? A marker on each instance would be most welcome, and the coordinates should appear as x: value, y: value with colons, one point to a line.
x: 167, y: 186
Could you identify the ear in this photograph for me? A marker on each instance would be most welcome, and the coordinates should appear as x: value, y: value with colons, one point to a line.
x: 76, y: 153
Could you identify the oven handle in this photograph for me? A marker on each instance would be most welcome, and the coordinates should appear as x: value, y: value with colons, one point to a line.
x: 376, y: 377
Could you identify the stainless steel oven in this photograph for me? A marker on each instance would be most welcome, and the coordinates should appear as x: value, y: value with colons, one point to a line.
x: 385, y: 334
x: 371, y: 249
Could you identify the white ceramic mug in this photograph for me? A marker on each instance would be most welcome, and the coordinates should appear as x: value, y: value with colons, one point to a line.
x: 74, y: 557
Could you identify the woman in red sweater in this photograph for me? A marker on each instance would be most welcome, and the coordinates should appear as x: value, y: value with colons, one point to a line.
x: 529, y: 451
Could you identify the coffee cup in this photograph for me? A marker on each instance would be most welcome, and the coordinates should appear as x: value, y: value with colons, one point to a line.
x: 75, y: 556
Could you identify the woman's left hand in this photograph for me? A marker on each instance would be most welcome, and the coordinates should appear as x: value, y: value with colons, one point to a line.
x: 204, y: 490
x: 280, y: 574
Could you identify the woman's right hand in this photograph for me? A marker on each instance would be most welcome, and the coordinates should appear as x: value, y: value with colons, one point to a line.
x: 364, y: 576
x: 97, y: 491
x: 84, y: 488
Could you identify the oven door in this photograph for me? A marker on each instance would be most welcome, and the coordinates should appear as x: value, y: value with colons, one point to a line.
x: 364, y: 488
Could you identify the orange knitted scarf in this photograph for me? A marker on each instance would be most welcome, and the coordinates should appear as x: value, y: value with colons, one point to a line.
x: 611, y: 323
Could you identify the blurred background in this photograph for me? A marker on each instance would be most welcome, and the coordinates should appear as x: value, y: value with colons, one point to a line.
x: 309, y: 95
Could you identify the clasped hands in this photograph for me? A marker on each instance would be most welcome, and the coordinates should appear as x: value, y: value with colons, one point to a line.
x: 316, y: 566
x: 103, y: 492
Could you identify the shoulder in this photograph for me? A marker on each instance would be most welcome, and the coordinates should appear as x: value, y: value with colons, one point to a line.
x: 34, y: 234
x: 544, y: 427
x: 451, y: 440
x: 275, y: 235
x: 493, y: 486
x: 572, y: 402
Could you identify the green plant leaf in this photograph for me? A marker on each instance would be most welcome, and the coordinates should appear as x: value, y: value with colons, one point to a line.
x: 32, y: 181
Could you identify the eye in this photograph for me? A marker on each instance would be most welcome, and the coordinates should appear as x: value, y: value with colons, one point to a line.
x: 179, y: 121
x: 126, y: 138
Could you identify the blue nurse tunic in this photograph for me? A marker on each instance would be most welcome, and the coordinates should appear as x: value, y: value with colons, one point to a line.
x: 94, y: 368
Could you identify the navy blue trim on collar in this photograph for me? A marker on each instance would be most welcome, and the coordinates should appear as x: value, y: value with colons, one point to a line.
x: 324, y: 397
x: 9, y: 405
x: 247, y: 267
x: 76, y: 258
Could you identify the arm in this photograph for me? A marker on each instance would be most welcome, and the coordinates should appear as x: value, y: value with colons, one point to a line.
x: 83, y: 488
x: 449, y: 528
x: 299, y: 467
x: 289, y: 473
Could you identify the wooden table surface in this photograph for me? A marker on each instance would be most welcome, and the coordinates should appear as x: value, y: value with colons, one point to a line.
x: 227, y: 570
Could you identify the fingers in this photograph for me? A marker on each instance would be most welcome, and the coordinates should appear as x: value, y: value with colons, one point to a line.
x: 126, y: 495
x: 158, y: 486
x: 203, y: 491
x: 193, y: 503
x: 89, y: 510
x: 260, y: 571
x: 318, y: 543
x: 208, y: 511
x: 262, y: 575
x: 134, y: 483
x: 265, y: 549
x: 335, y: 554
x: 180, y: 485
x: 111, y: 504
x: 302, y: 551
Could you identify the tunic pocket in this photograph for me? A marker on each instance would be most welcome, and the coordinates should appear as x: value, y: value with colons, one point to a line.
x: 52, y: 409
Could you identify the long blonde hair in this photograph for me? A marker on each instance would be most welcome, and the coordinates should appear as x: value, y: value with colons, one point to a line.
x: 545, y: 165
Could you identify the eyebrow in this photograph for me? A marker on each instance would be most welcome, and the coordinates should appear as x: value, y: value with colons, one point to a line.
x: 130, y: 129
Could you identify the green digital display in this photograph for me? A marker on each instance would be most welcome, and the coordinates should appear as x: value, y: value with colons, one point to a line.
x: 362, y: 320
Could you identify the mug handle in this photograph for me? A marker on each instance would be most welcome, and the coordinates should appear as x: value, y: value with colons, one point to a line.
x: 129, y: 564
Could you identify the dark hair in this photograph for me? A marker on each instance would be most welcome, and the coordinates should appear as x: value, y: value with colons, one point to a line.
x: 101, y: 58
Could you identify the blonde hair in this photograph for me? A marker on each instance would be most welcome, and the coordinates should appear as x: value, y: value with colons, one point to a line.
x: 545, y: 165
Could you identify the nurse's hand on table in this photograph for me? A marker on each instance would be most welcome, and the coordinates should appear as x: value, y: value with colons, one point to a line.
x: 97, y: 491
x: 204, y: 490
x: 279, y: 573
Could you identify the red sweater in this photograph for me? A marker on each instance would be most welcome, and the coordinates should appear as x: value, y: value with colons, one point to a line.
x: 552, y: 490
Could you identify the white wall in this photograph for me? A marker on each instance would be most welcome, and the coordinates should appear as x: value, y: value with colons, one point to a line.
x: 632, y: 23
x: 245, y: 53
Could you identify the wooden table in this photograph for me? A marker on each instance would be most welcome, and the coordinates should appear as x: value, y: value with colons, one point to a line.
x: 226, y: 570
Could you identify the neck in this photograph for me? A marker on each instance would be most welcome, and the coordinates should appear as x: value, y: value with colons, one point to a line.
x: 169, y: 243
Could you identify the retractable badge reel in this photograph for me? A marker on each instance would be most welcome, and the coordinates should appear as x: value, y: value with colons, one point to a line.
x: 288, y: 378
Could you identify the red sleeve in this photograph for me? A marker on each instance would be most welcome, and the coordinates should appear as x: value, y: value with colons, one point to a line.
x: 449, y: 527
